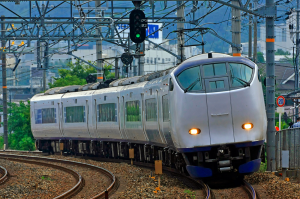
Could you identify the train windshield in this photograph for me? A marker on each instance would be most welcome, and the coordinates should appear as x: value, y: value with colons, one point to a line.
x: 240, y: 74
x: 190, y: 79
x: 215, y: 76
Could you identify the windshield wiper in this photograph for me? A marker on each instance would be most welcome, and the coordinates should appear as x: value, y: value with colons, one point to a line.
x: 242, y: 81
x: 191, y: 85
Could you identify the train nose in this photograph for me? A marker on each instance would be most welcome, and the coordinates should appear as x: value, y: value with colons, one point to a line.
x: 219, y: 111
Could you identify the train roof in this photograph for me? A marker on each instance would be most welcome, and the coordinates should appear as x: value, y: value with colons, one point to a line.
x: 198, y: 59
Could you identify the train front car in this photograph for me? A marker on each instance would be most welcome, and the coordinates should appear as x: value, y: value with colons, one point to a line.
x: 218, y: 114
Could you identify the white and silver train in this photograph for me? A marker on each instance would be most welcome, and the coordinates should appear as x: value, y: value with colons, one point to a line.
x: 205, y: 116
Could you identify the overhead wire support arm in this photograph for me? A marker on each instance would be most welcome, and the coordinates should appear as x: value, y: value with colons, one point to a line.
x: 229, y: 42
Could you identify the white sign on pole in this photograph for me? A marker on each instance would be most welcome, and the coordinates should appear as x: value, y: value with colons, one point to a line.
x: 285, y: 159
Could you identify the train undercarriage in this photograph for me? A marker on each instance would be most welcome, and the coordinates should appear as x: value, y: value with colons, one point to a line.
x: 208, y: 162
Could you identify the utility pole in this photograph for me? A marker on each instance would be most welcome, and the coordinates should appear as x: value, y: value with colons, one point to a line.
x: 250, y: 34
x: 99, y: 46
x: 203, y: 51
x: 270, y: 86
x: 44, y: 49
x: 4, y: 85
x: 297, y: 59
x: 180, y: 36
x: 255, y: 33
x: 236, y: 28
x: 46, y: 63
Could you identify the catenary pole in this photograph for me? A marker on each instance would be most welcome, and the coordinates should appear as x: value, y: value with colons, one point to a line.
x: 250, y: 34
x: 99, y: 47
x: 255, y: 34
x: 297, y: 60
x: 4, y: 85
x: 236, y: 28
x: 270, y: 87
x: 180, y: 36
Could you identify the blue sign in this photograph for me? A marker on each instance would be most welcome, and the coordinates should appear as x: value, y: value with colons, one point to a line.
x: 151, y: 28
x: 280, y: 101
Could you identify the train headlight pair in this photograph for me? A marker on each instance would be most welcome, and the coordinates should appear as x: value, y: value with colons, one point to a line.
x: 194, y: 131
x: 247, y: 126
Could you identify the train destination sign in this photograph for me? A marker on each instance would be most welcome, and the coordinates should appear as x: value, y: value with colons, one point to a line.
x: 280, y: 101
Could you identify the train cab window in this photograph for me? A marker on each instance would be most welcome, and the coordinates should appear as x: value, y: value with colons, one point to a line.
x: 151, y: 110
x: 74, y: 114
x: 190, y: 79
x: 214, y: 69
x: 133, y: 112
x: 107, y: 112
x: 44, y: 116
x: 165, y: 106
x: 216, y: 84
x: 240, y: 74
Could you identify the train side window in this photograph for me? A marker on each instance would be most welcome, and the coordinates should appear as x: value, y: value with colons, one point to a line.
x: 151, y: 110
x: 74, y: 114
x: 107, y: 112
x: 190, y: 79
x: 133, y: 112
x: 165, y: 106
x: 171, y: 85
x: 44, y: 116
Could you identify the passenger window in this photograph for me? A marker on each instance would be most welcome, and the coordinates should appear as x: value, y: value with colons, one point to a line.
x: 107, y: 112
x: 190, y: 79
x: 240, y: 74
x: 44, y: 116
x: 133, y: 113
x: 74, y: 114
x: 165, y: 105
x: 214, y: 69
x: 151, y: 110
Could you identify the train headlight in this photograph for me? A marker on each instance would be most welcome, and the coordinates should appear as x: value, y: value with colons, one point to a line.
x: 194, y: 131
x: 247, y: 126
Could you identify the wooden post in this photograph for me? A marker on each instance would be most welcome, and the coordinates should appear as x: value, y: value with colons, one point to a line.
x: 131, y: 155
x: 158, y: 171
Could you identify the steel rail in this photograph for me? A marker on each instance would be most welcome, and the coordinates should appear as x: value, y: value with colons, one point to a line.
x: 251, y: 191
x: 71, y: 192
x: 4, y: 173
x: 111, y: 188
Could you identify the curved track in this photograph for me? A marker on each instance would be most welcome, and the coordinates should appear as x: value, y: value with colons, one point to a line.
x: 251, y: 191
x: 4, y: 176
x: 80, y: 181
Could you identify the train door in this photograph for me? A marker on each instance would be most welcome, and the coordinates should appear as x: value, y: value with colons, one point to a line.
x: 166, y: 128
x: 159, y: 117
x: 219, y: 109
x: 59, y: 118
x: 121, y: 117
x: 87, y: 117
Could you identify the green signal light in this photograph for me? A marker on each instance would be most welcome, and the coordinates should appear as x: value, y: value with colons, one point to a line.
x: 138, y: 35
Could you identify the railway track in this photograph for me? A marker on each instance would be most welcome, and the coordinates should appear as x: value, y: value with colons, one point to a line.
x: 80, y: 180
x: 4, y: 176
x: 207, y: 191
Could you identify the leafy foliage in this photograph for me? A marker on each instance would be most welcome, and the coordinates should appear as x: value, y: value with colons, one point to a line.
x: 19, y: 128
x: 260, y: 57
x: 76, y: 75
x: 281, y: 52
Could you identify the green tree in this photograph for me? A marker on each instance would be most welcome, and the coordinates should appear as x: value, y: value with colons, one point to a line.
x: 281, y: 52
x: 107, y: 73
x: 260, y: 57
x: 20, y: 136
x: 76, y: 75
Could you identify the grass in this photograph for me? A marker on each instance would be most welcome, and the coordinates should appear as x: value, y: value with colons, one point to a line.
x: 190, y: 193
x: 46, y: 178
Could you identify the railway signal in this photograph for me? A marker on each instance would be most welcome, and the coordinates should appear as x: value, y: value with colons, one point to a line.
x: 138, y: 24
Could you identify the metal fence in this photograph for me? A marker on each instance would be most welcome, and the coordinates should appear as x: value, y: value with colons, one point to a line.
x: 288, y: 139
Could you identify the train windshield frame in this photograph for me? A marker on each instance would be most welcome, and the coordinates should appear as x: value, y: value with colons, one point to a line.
x: 192, y: 79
